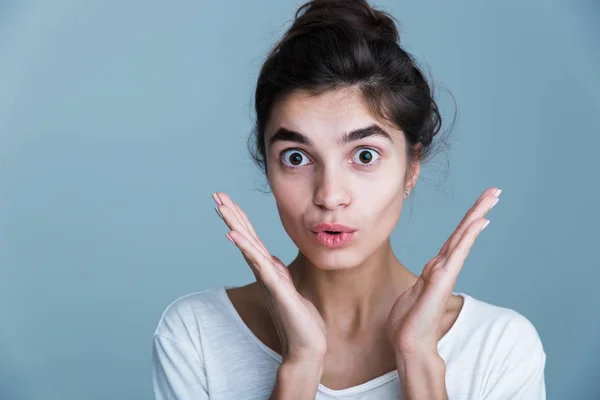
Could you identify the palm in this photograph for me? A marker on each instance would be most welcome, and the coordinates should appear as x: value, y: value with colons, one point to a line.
x: 299, y: 325
x: 306, y: 322
x: 415, y: 318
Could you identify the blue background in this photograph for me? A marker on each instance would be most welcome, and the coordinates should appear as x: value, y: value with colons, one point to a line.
x: 118, y: 119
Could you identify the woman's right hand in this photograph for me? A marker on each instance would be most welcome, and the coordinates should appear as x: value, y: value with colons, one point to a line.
x: 300, y: 327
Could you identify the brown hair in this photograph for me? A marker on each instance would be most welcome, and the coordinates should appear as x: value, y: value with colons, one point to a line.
x: 336, y: 44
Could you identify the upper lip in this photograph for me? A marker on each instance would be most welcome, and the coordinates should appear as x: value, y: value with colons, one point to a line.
x: 332, y: 228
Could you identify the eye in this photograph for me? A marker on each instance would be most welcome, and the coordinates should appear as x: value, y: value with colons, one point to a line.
x: 293, y: 158
x: 365, y: 157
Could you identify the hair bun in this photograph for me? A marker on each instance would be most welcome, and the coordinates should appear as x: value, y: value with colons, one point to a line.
x: 373, y: 24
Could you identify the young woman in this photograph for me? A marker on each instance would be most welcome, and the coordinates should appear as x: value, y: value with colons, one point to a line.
x: 344, y: 120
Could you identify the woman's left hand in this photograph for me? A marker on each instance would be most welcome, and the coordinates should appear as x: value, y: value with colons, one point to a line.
x: 415, y: 319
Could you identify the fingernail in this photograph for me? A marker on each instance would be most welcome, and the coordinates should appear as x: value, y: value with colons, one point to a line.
x: 498, y: 192
x: 494, y: 203
x: 229, y: 237
x: 486, y: 224
x: 219, y: 213
x: 216, y: 199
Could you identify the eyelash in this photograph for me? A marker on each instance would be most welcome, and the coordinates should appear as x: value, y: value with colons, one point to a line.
x: 370, y: 165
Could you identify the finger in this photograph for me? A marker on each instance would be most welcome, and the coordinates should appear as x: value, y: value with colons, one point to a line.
x: 260, y: 264
x: 246, y: 221
x: 235, y: 225
x: 233, y: 221
x: 224, y: 199
x: 459, y: 253
x: 481, y: 207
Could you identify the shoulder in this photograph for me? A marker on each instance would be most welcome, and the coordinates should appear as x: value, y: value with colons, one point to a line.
x: 495, y: 352
x: 186, y: 314
x: 505, y: 351
x: 503, y: 333
x: 502, y: 322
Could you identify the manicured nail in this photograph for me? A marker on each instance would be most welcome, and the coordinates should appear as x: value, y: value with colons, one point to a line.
x: 216, y: 199
x: 486, y: 224
x: 494, y: 203
x: 498, y: 192
x: 229, y: 237
x: 219, y: 213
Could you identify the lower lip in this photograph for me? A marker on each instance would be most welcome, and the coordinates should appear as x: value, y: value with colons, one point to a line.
x: 334, y: 240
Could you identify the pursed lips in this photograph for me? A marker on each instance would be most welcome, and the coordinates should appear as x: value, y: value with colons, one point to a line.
x: 332, y: 228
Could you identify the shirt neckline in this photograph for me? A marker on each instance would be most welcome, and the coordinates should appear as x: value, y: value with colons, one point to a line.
x: 363, y: 387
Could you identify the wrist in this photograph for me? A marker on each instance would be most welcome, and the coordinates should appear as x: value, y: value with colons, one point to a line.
x: 429, y: 360
x: 298, y: 379
x: 291, y: 367
x: 422, y: 375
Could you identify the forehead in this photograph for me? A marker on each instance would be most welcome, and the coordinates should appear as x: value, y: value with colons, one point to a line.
x: 330, y: 114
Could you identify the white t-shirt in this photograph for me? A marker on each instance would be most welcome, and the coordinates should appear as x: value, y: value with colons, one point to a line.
x: 202, y: 350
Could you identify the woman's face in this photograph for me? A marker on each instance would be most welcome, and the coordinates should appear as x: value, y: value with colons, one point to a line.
x: 318, y: 174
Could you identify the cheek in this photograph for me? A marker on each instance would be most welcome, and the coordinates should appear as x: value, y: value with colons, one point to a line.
x: 291, y: 197
x: 380, y: 206
x: 380, y: 197
x: 288, y: 189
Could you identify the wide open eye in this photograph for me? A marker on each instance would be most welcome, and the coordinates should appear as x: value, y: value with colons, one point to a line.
x: 294, y: 158
x: 365, y: 157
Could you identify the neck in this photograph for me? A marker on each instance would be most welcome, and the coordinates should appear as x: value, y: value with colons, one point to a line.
x: 357, y: 299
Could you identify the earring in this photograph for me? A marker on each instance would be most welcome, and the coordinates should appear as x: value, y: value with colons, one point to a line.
x: 406, y: 192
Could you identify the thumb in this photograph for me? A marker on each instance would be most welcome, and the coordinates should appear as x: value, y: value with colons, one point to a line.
x: 276, y: 259
x: 280, y: 265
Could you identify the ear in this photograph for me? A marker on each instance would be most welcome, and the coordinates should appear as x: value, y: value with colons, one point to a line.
x: 413, y: 172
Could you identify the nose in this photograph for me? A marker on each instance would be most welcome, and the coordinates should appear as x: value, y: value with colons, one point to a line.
x: 331, y: 190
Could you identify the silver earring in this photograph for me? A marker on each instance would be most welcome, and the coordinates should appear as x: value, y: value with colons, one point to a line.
x: 406, y: 192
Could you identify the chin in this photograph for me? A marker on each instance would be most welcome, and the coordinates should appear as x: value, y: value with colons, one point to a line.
x: 334, y: 259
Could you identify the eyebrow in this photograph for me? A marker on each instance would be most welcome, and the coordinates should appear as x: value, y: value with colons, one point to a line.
x: 284, y: 134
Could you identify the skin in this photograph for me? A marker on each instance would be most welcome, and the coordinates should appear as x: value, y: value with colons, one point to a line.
x: 345, y: 316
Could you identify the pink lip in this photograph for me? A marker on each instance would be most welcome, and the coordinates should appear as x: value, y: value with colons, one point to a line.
x: 332, y: 227
x: 333, y: 240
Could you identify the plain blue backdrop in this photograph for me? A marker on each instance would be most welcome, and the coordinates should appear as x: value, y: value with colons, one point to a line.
x: 118, y: 119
